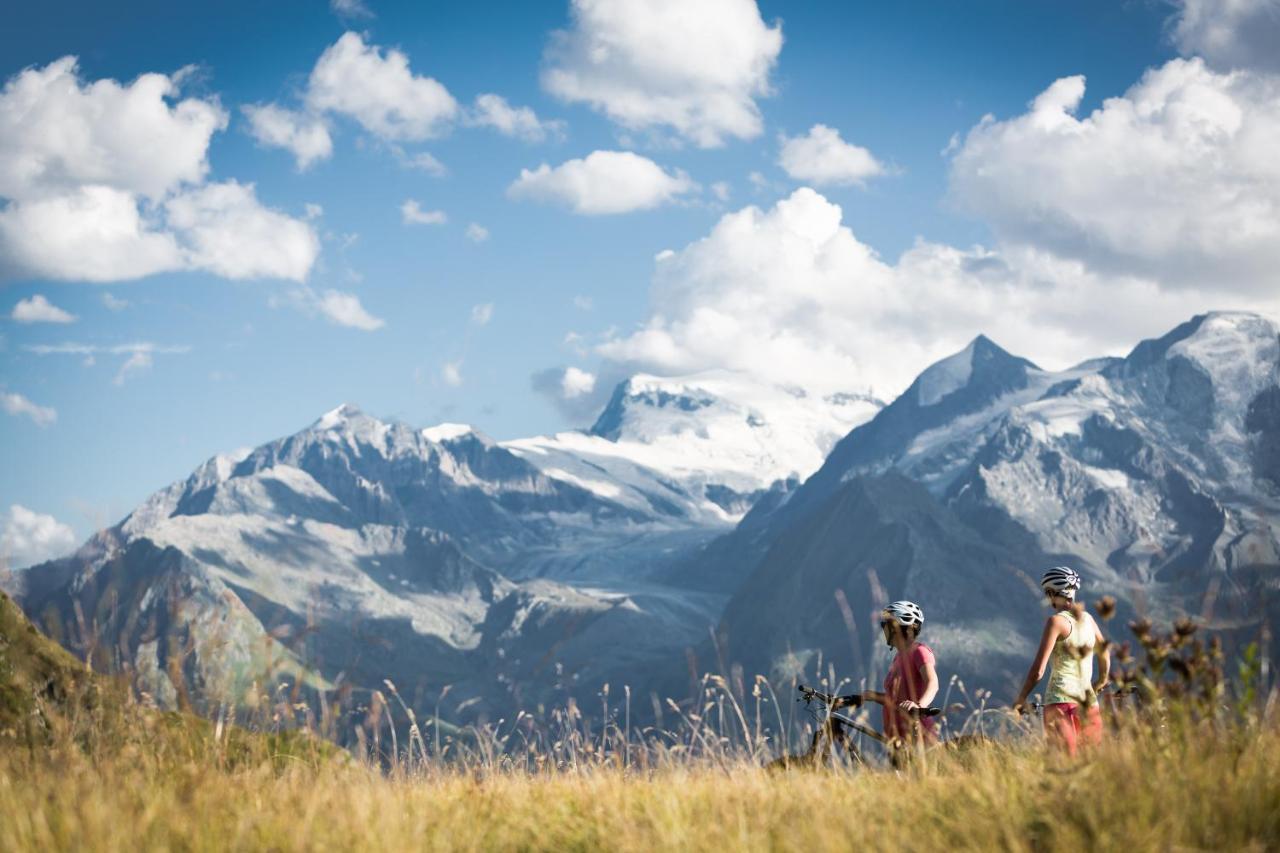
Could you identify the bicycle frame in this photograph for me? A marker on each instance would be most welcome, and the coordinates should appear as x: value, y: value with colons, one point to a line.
x: 835, y: 728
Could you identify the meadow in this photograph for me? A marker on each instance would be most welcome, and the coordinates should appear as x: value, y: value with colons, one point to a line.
x: 84, y: 767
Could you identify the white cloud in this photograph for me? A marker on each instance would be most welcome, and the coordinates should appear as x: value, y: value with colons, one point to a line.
x: 95, y: 349
x: 37, y: 309
x: 57, y: 135
x: 226, y: 231
x: 347, y: 9
x: 477, y: 233
x: 1176, y: 181
x: 482, y: 314
x: 1230, y: 33
x: 93, y: 174
x: 696, y: 68
x: 576, y: 383
x: 137, y: 356
x: 411, y: 213
x: 603, y: 182
x: 345, y: 310
x: 493, y: 111
x: 303, y: 135
x: 821, y: 157
x: 721, y: 190
x: 16, y: 404
x: 815, y: 302
x: 379, y: 91
x: 135, y: 363
x: 451, y: 373
x: 422, y: 161
x: 583, y: 303
x: 338, y: 307
x: 29, y: 537
x: 313, y: 211
x: 114, y: 304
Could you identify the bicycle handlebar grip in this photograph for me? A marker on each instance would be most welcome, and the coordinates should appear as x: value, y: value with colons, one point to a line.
x: 930, y: 712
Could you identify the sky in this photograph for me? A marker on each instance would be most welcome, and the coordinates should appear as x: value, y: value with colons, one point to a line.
x: 218, y: 221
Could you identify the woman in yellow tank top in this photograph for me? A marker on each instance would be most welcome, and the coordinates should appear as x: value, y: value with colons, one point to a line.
x: 1067, y: 647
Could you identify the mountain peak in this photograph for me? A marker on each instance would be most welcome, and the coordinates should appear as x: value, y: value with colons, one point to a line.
x: 447, y: 432
x: 335, y: 418
x: 1213, y: 339
x: 642, y: 392
x: 983, y: 358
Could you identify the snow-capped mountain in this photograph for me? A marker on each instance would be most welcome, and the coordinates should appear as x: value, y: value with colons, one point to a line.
x: 357, y: 550
x: 704, y: 446
x: 1155, y: 475
x: 515, y: 573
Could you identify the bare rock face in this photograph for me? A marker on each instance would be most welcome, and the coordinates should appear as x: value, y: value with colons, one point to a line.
x: 358, y: 550
x: 523, y: 573
x: 1154, y: 475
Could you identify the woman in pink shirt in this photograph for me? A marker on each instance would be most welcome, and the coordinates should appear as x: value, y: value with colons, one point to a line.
x: 912, y: 682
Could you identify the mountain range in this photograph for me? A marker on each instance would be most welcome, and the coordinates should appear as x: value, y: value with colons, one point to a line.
x: 703, y: 522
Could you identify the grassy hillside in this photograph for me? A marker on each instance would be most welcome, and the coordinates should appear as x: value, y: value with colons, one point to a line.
x: 1193, y: 794
x: 83, y: 767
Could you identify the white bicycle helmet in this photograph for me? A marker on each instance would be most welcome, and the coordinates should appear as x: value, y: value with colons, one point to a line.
x: 1061, y: 580
x: 906, y: 613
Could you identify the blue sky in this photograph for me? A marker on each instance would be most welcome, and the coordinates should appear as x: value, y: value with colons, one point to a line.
x: 424, y: 322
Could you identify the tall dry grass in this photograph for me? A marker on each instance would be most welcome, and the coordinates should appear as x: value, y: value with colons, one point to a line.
x: 1196, y: 788
x: 1190, y: 763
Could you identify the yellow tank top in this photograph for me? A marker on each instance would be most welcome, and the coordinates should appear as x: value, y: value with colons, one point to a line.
x: 1071, y: 664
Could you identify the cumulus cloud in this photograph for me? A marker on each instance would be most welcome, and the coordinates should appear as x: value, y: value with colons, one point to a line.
x: 822, y: 158
x: 37, y: 309
x: 422, y: 161
x: 336, y: 306
x: 113, y: 303
x: 570, y: 390
x: 482, y: 314
x: 29, y: 537
x: 603, y: 182
x: 349, y: 9
x: 493, y: 111
x: 1230, y: 33
x: 821, y: 308
x: 96, y: 177
x: 1177, y: 180
x: 695, y: 68
x: 451, y: 373
x: 477, y: 233
x: 576, y: 382
x: 303, y: 135
x: 379, y: 91
x: 227, y: 232
x: 411, y: 213
x: 17, y: 405
x: 345, y: 310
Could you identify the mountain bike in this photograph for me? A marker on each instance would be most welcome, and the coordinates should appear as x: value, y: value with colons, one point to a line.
x: 835, y: 729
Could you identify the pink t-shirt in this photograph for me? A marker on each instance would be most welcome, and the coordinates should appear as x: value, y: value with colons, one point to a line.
x: 904, y: 681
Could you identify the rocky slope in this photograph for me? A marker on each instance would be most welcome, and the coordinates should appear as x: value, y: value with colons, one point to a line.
x: 1154, y: 475
x: 357, y: 550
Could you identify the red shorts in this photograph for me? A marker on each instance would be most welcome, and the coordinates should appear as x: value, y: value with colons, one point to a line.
x: 1067, y: 726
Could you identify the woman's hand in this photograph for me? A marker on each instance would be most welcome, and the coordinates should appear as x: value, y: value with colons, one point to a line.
x: 907, y: 706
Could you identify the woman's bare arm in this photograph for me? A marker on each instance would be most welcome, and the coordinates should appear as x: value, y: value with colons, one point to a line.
x: 1053, y: 630
x: 1104, y: 660
x: 930, y: 675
